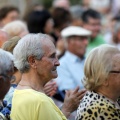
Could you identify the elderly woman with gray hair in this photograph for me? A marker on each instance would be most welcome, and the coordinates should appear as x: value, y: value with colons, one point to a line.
x: 6, y: 71
x: 102, y: 80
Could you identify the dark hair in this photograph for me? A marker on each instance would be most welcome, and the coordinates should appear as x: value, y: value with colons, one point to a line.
x: 4, y: 11
x: 90, y: 14
x: 36, y: 21
x: 61, y: 17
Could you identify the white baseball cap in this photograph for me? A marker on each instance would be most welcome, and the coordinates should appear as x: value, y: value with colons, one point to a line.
x: 74, y: 30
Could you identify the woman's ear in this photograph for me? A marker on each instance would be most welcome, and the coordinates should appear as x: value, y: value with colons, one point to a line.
x: 106, y: 83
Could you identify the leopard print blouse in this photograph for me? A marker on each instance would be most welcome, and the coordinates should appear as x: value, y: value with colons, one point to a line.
x: 97, y: 107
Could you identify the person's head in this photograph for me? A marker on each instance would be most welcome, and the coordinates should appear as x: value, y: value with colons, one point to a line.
x: 77, y: 39
x: 92, y: 21
x: 86, y: 4
x: 62, y: 18
x: 16, y: 28
x: 3, y: 37
x: 38, y: 7
x: 9, y: 46
x: 8, y: 14
x: 76, y: 12
x: 101, y: 68
x: 40, y: 21
x: 6, y: 71
x: 61, y: 4
x: 36, y: 54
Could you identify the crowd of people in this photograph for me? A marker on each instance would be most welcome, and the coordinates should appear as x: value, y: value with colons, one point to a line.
x: 60, y: 63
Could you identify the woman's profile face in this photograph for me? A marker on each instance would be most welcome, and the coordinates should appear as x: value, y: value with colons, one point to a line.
x: 49, y: 26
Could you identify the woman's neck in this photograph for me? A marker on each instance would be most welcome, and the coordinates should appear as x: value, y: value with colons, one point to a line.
x: 108, y: 94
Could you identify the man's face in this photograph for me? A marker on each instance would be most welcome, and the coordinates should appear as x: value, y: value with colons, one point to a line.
x: 93, y: 25
x: 46, y: 67
x: 77, y: 45
x: 114, y: 76
x: 117, y: 37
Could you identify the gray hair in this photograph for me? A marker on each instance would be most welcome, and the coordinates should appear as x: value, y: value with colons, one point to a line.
x: 29, y: 45
x: 98, y: 64
x: 6, y: 61
x: 15, y: 28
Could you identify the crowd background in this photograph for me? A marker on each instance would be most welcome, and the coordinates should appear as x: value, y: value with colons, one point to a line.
x: 100, y: 17
x: 109, y: 10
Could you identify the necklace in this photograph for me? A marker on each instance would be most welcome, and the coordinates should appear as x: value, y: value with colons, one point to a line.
x: 32, y: 87
x: 26, y: 85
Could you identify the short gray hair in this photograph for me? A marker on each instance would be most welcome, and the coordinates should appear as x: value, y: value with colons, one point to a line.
x: 6, y: 61
x: 15, y: 28
x: 29, y: 45
x: 98, y: 64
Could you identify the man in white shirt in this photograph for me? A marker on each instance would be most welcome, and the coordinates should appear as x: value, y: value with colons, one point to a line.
x: 70, y: 71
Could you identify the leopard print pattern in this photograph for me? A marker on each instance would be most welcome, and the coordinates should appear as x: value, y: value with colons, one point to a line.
x: 97, y: 107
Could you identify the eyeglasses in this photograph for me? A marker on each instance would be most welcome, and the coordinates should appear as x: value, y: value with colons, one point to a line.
x: 114, y: 72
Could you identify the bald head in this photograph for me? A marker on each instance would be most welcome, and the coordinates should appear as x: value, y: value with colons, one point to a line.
x: 3, y: 37
x: 61, y: 3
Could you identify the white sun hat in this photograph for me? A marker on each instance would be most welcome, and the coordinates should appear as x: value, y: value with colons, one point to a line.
x: 74, y: 31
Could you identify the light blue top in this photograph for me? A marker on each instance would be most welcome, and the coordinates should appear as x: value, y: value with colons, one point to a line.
x: 70, y: 72
x: 8, y: 97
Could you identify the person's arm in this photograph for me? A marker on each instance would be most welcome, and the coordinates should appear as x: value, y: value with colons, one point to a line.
x: 50, y: 88
x: 72, y: 101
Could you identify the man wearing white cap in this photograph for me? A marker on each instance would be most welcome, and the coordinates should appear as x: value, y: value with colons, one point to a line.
x: 70, y: 71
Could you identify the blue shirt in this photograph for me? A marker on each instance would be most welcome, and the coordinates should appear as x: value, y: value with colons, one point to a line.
x: 9, y: 95
x: 70, y: 72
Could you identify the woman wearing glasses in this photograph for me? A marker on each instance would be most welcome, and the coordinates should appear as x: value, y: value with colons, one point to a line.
x: 102, y: 80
